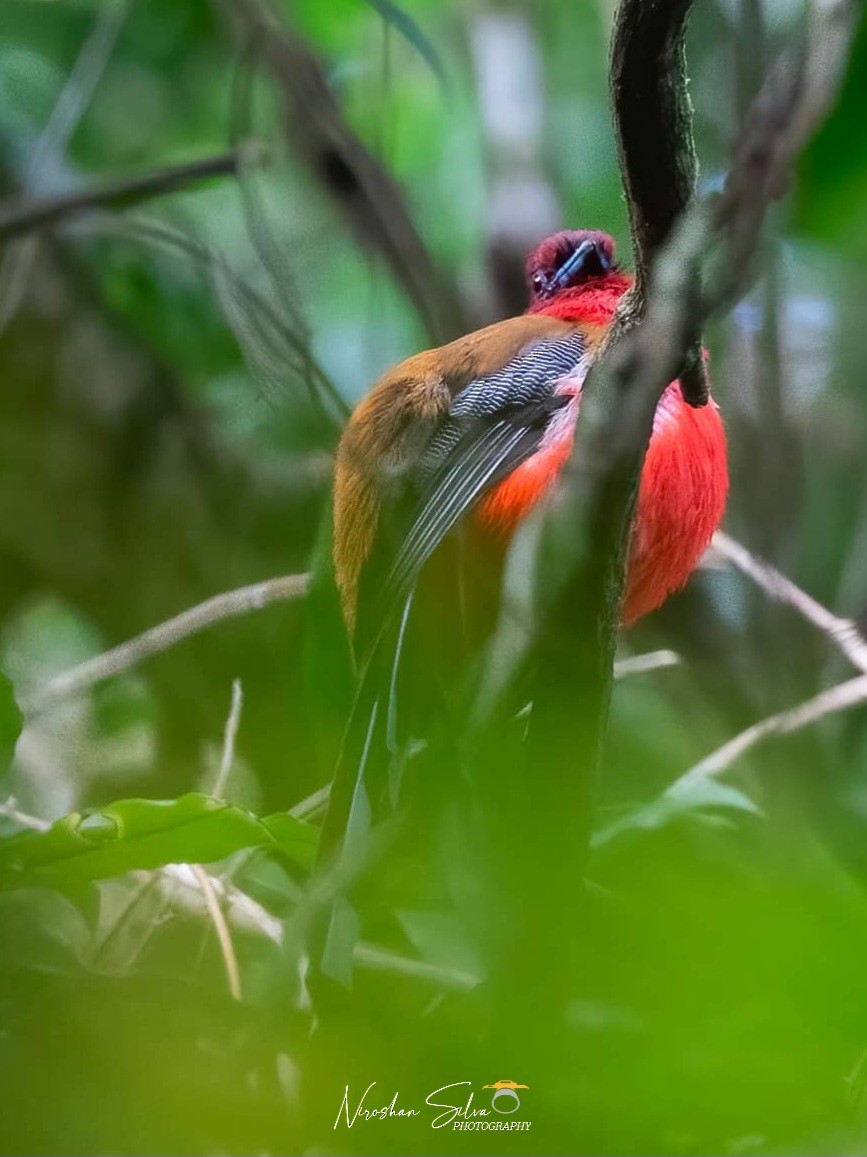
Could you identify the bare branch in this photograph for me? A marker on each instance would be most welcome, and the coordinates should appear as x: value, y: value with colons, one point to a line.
x: 79, y: 88
x: 311, y: 804
x: 641, y: 664
x: 840, y: 698
x: 9, y: 809
x: 842, y: 632
x: 791, y: 105
x: 658, y: 162
x: 75, y: 97
x: 36, y: 215
x: 232, y: 724
x: 586, y: 532
x: 167, y: 634
x: 247, y: 915
x: 224, y: 938
x: 574, y: 648
x: 378, y: 959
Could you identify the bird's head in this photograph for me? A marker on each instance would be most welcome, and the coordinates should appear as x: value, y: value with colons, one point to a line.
x: 568, y: 259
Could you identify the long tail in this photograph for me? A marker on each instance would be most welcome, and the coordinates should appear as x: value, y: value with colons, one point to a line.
x: 365, y: 789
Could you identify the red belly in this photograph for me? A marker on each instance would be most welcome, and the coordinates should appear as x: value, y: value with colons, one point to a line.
x: 681, y: 498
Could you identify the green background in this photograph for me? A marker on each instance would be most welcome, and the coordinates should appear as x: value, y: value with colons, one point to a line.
x: 158, y: 445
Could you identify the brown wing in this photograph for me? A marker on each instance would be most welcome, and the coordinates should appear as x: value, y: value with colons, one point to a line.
x: 436, y: 432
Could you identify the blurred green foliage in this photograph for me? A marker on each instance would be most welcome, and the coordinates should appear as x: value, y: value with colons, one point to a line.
x: 158, y: 445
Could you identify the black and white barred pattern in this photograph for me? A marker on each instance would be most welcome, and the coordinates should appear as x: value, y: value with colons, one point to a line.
x: 530, y: 377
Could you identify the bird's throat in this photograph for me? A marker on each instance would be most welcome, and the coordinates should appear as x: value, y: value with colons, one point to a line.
x: 591, y: 304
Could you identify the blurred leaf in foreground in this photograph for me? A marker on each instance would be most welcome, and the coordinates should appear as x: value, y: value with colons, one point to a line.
x: 141, y: 834
x: 694, y: 799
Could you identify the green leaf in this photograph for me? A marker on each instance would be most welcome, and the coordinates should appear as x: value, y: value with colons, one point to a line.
x: 681, y: 799
x: 439, y: 939
x: 144, y: 833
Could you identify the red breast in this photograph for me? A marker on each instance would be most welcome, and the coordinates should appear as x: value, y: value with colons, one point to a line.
x: 684, y: 482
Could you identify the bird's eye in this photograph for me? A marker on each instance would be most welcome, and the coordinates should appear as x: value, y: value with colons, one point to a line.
x: 539, y: 281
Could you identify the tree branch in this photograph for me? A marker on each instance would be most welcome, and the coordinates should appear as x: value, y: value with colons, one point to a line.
x: 652, y: 332
x: 852, y: 693
x: 586, y: 532
x: 75, y: 96
x: 658, y: 162
x: 641, y: 664
x: 165, y: 635
x: 653, y: 115
x: 842, y: 632
x: 43, y: 214
x: 230, y: 734
x: 224, y: 936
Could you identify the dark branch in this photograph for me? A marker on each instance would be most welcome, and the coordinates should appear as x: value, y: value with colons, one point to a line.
x: 653, y: 117
x: 575, y: 648
x: 566, y: 670
x: 658, y: 163
x: 34, y: 215
x: 568, y: 659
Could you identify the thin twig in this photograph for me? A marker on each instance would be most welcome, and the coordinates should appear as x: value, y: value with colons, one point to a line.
x: 641, y: 664
x: 221, y: 928
x: 311, y: 804
x: 167, y: 634
x: 273, y: 254
x: 247, y: 915
x: 842, y: 632
x: 269, y: 326
x: 9, y: 809
x: 74, y: 99
x: 79, y: 88
x: 243, y: 912
x: 383, y: 960
x: 36, y: 215
x: 228, y: 756
x: 839, y: 698
x: 362, y: 190
x: 147, y: 886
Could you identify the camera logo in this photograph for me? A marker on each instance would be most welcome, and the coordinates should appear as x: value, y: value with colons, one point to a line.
x: 505, y: 1093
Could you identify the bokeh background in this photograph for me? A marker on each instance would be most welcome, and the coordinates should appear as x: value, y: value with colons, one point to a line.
x: 161, y: 442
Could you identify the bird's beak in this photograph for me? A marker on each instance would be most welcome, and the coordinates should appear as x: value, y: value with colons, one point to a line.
x: 576, y: 263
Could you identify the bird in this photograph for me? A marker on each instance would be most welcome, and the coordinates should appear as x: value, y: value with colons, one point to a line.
x: 440, y: 463
x: 482, y: 427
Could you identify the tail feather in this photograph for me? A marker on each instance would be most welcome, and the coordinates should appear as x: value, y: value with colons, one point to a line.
x: 365, y: 789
